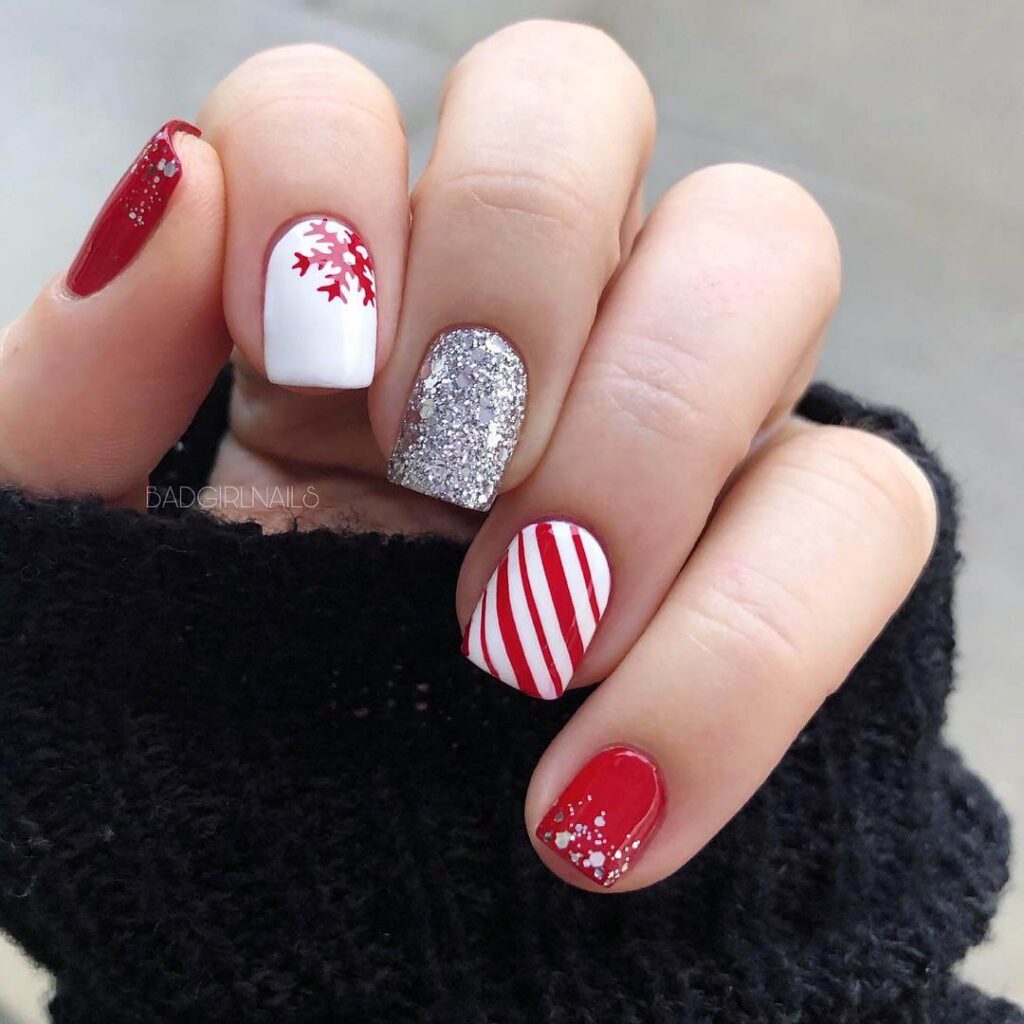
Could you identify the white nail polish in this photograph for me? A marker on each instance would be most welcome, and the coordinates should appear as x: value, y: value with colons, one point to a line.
x: 320, y: 307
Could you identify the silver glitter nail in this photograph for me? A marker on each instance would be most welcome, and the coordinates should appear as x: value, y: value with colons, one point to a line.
x: 462, y: 422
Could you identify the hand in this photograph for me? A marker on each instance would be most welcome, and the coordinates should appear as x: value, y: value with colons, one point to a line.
x: 625, y: 388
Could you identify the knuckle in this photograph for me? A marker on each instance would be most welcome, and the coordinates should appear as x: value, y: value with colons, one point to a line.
x: 298, y: 75
x: 664, y: 391
x: 736, y: 185
x: 868, y: 477
x: 753, y: 621
x: 772, y: 209
x: 292, y: 55
x: 553, y: 30
x: 550, y: 51
x: 555, y: 201
x: 544, y: 38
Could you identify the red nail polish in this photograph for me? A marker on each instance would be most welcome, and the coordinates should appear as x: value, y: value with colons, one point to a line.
x: 603, y: 820
x: 131, y: 213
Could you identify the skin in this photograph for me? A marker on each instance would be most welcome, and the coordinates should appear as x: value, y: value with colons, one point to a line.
x: 754, y: 556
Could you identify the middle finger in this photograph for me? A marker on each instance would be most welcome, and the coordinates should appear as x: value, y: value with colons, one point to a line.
x: 544, y: 135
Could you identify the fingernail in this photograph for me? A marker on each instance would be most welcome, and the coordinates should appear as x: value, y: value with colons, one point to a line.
x: 462, y: 422
x: 320, y: 307
x: 130, y: 214
x: 540, y: 609
x: 604, y: 819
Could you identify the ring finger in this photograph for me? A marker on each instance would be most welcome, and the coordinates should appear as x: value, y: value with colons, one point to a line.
x: 717, y: 312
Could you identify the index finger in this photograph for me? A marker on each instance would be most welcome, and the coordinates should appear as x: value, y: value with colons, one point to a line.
x: 101, y: 375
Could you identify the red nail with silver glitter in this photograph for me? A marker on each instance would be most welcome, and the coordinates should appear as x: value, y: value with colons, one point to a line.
x: 131, y: 213
x: 606, y: 816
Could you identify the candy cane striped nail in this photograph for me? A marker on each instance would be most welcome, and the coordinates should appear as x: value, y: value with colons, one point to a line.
x: 320, y: 307
x: 540, y: 609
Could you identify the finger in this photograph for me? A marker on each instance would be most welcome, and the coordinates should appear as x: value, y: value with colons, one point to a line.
x: 100, y: 376
x: 728, y: 288
x: 315, y: 163
x: 545, y: 132
x: 811, y: 552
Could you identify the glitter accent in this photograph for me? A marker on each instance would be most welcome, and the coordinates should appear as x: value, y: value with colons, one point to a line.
x: 462, y: 422
x: 130, y: 214
x: 631, y: 799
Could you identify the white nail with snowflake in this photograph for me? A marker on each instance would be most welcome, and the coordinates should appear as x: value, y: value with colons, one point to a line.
x: 320, y: 307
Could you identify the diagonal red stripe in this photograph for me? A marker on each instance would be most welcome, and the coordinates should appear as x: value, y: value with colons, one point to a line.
x: 538, y: 627
x: 581, y: 554
x: 483, y: 634
x: 560, y: 595
x: 510, y: 635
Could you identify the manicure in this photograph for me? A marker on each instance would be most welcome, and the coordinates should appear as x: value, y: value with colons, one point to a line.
x: 604, y: 819
x: 462, y: 422
x: 540, y: 609
x: 320, y: 306
x: 131, y: 213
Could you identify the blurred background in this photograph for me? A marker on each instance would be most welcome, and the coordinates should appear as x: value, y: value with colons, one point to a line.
x: 904, y: 119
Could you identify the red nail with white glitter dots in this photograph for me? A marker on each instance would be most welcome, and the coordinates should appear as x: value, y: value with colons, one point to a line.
x: 131, y: 213
x: 320, y: 306
x: 604, y: 819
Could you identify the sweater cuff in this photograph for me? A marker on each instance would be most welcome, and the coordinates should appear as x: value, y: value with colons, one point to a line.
x: 248, y: 777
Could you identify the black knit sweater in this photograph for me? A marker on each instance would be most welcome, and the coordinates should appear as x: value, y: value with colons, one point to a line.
x: 249, y: 778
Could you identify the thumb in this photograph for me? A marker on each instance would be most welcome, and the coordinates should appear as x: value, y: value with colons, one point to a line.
x: 103, y: 372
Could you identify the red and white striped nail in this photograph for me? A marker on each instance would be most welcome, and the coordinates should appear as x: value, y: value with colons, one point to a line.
x: 540, y: 609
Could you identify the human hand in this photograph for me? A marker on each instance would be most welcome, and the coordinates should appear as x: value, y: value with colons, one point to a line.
x: 627, y: 396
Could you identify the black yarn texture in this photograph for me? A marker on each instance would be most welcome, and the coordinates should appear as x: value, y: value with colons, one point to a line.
x: 249, y: 778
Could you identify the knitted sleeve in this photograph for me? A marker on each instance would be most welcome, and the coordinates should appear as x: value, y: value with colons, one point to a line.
x: 250, y: 778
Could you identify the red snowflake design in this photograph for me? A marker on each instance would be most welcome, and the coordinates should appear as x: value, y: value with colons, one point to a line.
x: 346, y: 256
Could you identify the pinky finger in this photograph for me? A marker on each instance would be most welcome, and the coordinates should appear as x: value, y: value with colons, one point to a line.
x: 811, y: 552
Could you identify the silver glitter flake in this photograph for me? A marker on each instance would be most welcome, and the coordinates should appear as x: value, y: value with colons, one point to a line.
x: 462, y: 422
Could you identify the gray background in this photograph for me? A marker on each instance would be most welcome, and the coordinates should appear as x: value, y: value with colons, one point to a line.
x: 904, y: 118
